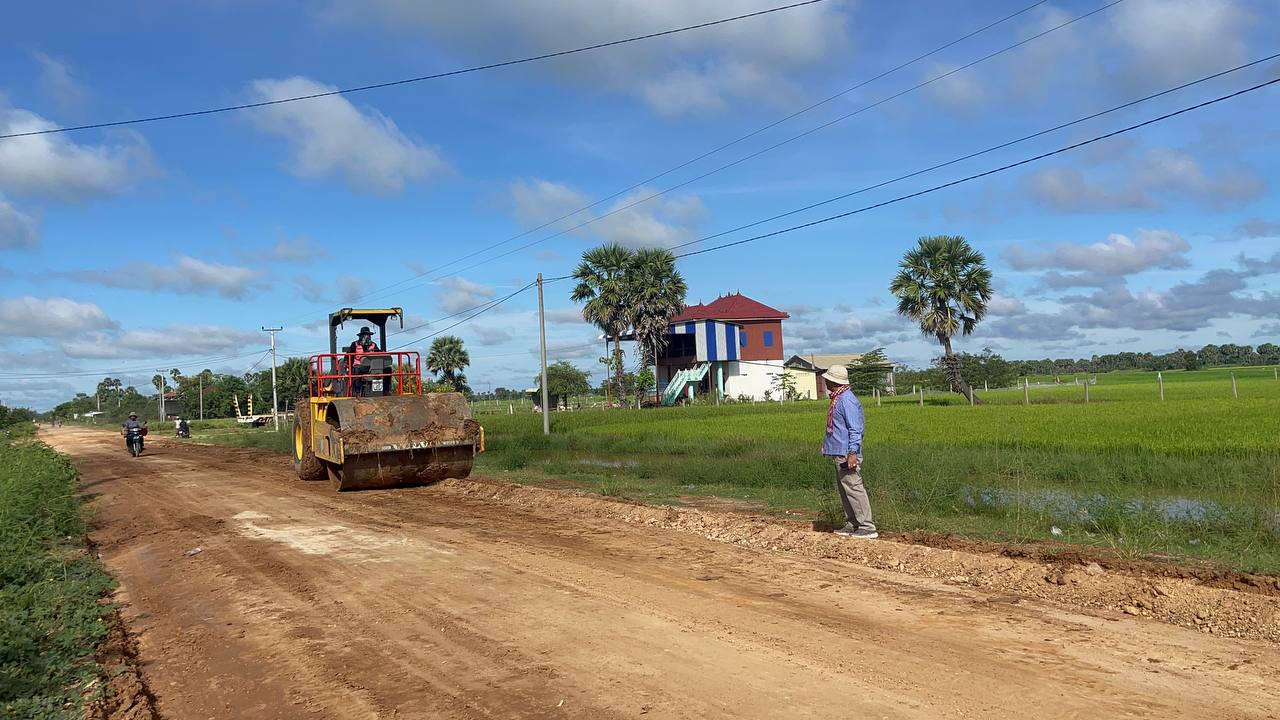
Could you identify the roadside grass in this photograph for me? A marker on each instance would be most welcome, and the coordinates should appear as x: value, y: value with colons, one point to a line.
x: 52, y: 617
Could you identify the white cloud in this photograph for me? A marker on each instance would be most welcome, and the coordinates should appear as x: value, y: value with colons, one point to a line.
x: 59, y: 84
x: 330, y: 135
x: 301, y: 250
x: 1250, y: 228
x: 457, y: 294
x: 1117, y: 255
x: 565, y: 316
x: 660, y: 222
x: 1143, y: 182
x: 179, y: 340
x: 54, y: 166
x: 187, y: 276
x: 17, y: 229
x: 344, y: 289
x: 52, y: 317
x: 490, y: 335
x: 961, y: 92
x: 1175, y: 40
x: 1004, y: 305
x: 695, y: 72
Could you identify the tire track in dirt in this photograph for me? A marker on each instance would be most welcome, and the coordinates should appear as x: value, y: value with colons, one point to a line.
x: 473, y: 600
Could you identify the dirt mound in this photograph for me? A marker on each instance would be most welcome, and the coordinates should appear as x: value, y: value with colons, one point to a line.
x: 1066, y: 554
x: 126, y: 696
x: 1181, y: 600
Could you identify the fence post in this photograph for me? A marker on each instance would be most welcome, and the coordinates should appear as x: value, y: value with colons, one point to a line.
x: 1234, y: 393
x: 1160, y: 379
x: 970, y: 396
x: 921, y: 396
x: 1026, y: 391
x: 1086, y: 391
x: 877, y: 391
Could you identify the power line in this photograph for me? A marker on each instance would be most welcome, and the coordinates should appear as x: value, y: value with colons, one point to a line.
x: 715, y: 150
x: 469, y: 318
x: 781, y: 143
x: 978, y: 153
x: 986, y: 173
x: 406, y: 81
x: 127, y: 371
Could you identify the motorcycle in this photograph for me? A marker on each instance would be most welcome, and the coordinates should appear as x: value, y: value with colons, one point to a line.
x: 133, y: 440
x: 184, y: 432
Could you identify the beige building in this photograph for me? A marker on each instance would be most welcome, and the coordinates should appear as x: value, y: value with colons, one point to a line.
x: 806, y: 372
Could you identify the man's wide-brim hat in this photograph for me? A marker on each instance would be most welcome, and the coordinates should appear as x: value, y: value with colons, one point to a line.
x: 838, y: 374
x: 365, y: 331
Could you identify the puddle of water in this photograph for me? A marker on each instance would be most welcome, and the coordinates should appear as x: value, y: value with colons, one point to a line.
x: 609, y: 463
x: 1065, y: 506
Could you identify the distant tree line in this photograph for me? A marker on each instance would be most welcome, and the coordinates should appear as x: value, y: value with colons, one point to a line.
x: 1206, y: 357
x: 13, y: 416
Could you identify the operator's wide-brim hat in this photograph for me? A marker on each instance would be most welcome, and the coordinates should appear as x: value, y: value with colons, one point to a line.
x: 837, y: 374
x: 365, y: 331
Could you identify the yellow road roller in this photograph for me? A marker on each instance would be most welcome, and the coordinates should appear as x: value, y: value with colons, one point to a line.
x: 366, y: 422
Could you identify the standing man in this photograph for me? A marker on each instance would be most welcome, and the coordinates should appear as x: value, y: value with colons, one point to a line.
x: 843, y: 444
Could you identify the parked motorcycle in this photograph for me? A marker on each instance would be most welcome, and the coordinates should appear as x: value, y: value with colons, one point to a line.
x: 133, y: 440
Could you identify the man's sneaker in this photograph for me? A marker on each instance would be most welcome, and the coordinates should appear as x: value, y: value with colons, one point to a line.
x: 865, y: 535
x: 849, y: 530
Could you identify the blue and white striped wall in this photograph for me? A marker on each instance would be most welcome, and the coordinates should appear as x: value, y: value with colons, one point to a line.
x: 716, y: 341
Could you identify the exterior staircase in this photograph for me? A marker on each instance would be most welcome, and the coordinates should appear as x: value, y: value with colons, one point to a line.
x: 681, y: 380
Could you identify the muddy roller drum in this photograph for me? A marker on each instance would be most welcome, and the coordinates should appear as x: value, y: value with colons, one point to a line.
x: 401, y: 440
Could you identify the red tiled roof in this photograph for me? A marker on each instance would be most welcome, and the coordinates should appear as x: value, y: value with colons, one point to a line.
x: 730, y: 307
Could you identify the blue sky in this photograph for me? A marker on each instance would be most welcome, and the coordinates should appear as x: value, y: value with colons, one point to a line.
x: 171, y: 243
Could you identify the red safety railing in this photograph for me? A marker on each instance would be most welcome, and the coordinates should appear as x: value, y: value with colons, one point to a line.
x: 365, y: 374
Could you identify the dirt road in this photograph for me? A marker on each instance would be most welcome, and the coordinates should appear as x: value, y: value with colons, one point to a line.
x: 431, y: 603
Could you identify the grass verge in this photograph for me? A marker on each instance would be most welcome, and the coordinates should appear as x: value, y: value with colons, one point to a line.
x: 52, y: 617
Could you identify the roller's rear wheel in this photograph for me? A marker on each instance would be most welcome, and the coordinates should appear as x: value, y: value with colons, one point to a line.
x: 305, y: 463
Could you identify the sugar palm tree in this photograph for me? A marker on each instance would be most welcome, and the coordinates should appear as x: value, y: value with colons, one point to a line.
x: 447, y: 359
x: 944, y: 285
x: 603, y: 287
x: 657, y: 292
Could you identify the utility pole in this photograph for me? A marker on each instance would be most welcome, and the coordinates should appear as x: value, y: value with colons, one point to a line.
x: 542, y: 339
x: 275, y: 402
x: 161, y: 394
x: 200, y: 382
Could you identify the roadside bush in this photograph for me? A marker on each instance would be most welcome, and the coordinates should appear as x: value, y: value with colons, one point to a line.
x: 51, y: 617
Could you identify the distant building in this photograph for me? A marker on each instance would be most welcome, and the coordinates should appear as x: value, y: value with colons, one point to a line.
x: 172, y: 405
x: 806, y: 372
x: 732, y: 346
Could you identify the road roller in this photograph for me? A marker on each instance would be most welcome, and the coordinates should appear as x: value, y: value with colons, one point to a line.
x: 366, y: 422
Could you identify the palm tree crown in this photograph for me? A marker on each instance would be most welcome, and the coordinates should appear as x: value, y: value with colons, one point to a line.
x: 657, y: 292
x: 944, y: 285
x: 447, y: 358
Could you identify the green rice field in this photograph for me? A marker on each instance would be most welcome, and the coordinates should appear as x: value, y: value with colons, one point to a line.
x: 1195, y: 476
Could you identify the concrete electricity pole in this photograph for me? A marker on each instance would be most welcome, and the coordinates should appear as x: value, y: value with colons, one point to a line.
x: 275, y: 402
x: 542, y: 337
x: 160, y: 386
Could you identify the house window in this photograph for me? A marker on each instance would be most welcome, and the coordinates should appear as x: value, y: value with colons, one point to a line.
x: 768, y: 338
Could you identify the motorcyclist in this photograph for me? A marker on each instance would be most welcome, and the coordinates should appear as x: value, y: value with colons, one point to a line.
x: 130, y: 424
x: 184, y: 430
